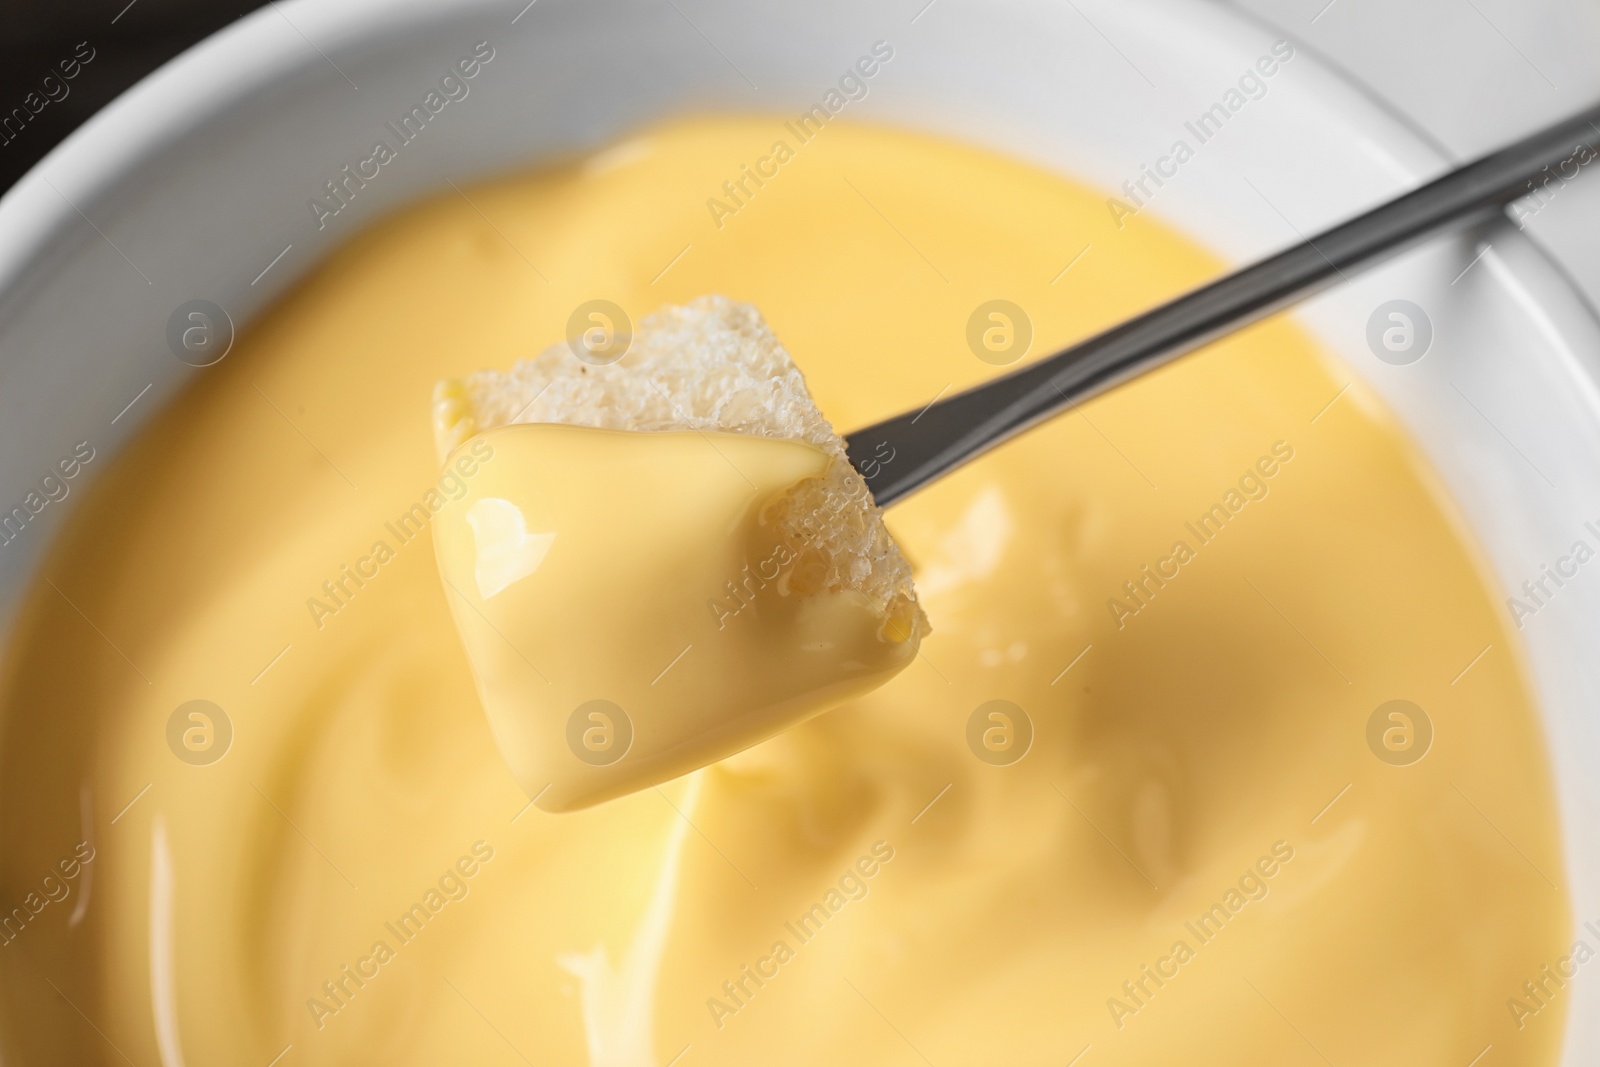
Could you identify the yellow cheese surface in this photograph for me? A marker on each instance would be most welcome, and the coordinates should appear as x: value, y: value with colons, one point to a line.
x: 1140, y: 798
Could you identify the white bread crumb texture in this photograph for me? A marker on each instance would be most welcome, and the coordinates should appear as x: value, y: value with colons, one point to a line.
x: 710, y: 365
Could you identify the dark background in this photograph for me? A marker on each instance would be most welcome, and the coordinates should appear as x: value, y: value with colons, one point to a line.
x: 128, y: 41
